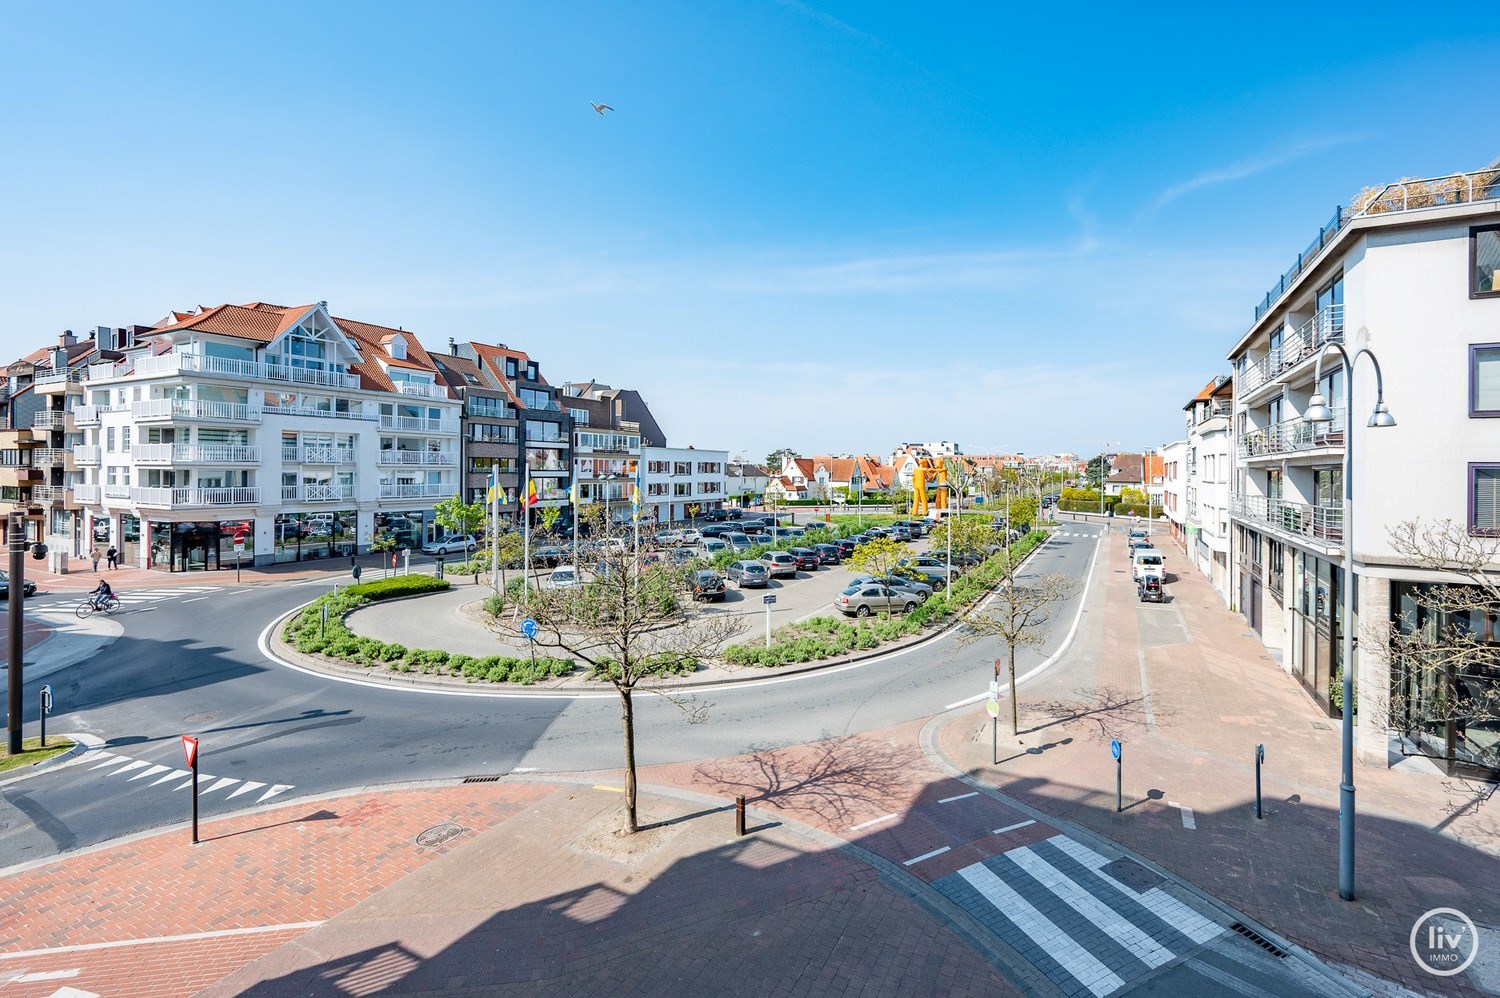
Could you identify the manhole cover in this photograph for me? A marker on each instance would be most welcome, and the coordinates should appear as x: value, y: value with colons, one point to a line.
x: 1132, y: 874
x: 202, y: 716
x: 439, y: 835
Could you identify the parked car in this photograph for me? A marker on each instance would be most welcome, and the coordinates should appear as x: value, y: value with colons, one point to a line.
x: 899, y: 532
x: 455, y: 544
x: 28, y: 588
x: 1150, y: 589
x: 1136, y: 538
x: 829, y: 554
x: 706, y: 584
x: 681, y: 556
x: 563, y: 577
x: 689, y: 536
x: 667, y: 538
x: 754, y: 527
x: 917, y: 587
x: 929, y: 568
x: 846, y: 546
x: 863, y: 600
x: 807, y: 559
x: 780, y: 533
x: 1145, y: 561
x: 917, y: 527
x: 740, y: 542
x: 719, y: 529
x: 715, y: 516
x: 549, y: 555
x: 711, y: 546
x: 780, y: 564
x: 748, y: 574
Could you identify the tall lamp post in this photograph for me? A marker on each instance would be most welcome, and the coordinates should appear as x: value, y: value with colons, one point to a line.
x: 857, y: 483
x: 1319, y: 412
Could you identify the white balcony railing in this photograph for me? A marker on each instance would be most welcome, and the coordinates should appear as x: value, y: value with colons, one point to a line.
x: 429, y: 458
x: 1292, y: 435
x: 154, y: 409
x: 421, y: 391
x: 104, y: 370
x: 316, y: 492
x: 48, y: 493
x: 416, y: 424
x: 317, y: 454
x: 308, y: 410
x: 1320, y: 523
x: 86, y: 415
x: 240, y: 370
x: 85, y: 454
x: 1326, y: 327
x: 48, y: 457
x: 60, y: 377
x: 190, y: 497
x: 86, y: 493
x: 174, y: 454
x: 121, y: 492
x: 49, y: 419
x: 416, y: 491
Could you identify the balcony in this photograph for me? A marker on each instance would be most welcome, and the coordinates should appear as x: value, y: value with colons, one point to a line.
x: 1326, y: 327
x: 104, y: 370
x: 417, y: 424
x: 1322, y: 525
x: 48, y: 494
x: 59, y: 382
x: 173, y: 498
x: 428, y: 458
x: 49, y: 419
x: 83, y: 454
x: 308, y: 410
x: 316, y: 492
x: 317, y: 454
x: 181, y: 454
x: 237, y: 370
x: 48, y: 457
x: 86, y: 493
x: 86, y: 415
x: 416, y: 491
x: 420, y: 390
x: 1291, y: 436
x: 155, y: 410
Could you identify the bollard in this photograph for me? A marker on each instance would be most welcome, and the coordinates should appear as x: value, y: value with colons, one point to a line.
x: 46, y: 706
x: 739, y: 814
x: 1116, y: 750
x: 1260, y: 757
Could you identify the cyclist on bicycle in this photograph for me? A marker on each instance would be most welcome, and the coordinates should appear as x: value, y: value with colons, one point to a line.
x: 102, y: 594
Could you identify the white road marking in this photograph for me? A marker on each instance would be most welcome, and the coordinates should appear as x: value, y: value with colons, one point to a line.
x: 47, y: 975
x: 174, y: 774
x: 526, y: 769
x: 873, y: 821
x: 150, y: 772
x: 137, y: 764
x: 1166, y: 907
x: 1011, y: 828
x: 195, y: 599
x: 227, y: 781
x: 202, y: 778
x: 950, y: 800
x: 249, y: 786
x: 118, y: 943
x: 105, y: 758
x: 1187, y: 815
x: 926, y: 855
x: 1113, y: 925
x: 278, y: 788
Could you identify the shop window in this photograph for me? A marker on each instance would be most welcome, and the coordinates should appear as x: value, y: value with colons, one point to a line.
x: 1484, y: 262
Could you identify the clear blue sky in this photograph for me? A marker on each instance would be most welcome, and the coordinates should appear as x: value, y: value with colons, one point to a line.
x: 831, y: 226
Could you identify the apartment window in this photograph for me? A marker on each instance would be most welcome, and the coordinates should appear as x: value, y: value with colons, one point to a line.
x: 1484, y: 379
x: 1484, y: 499
x: 510, y: 367
x: 109, y: 440
x: 125, y: 439
x: 1484, y: 262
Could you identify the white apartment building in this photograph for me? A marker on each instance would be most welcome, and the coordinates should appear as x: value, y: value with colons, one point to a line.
x: 1411, y: 273
x: 680, y: 482
x: 307, y: 435
x: 1174, y: 484
x: 1206, y: 483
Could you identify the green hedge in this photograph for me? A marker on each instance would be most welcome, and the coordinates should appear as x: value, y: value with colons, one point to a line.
x: 306, y: 633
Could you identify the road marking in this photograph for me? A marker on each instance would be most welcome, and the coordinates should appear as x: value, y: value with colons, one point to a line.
x: 150, y: 772
x: 105, y: 758
x: 202, y: 778
x: 613, y: 790
x: 1011, y: 828
x: 46, y: 975
x: 873, y: 821
x: 227, y: 781
x: 926, y: 855
x: 525, y: 769
x: 174, y: 774
x: 249, y: 787
x: 136, y: 764
x: 950, y: 800
x: 118, y: 943
x: 1187, y: 815
x: 1140, y: 654
x: 195, y: 599
x: 276, y: 789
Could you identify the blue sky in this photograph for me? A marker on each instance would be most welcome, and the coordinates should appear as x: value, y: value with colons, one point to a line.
x: 830, y: 226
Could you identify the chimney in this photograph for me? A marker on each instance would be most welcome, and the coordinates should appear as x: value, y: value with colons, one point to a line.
x: 67, y: 339
x: 453, y: 346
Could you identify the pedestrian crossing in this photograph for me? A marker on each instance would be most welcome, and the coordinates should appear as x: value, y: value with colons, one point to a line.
x: 132, y: 599
x: 133, y: 771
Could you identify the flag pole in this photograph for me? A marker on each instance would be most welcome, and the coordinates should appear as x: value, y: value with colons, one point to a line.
x: 526, y: 541
x: 495, y: 527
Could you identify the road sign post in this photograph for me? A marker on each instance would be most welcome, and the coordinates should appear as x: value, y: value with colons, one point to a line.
x: 529, y: 629
x: 190, y: 750
x: 323, y: 628
x: 17, y: 621
x: 1117, y: 752
x: 46, y: 709
x: 239, y: 551
x: 769, y: 599
x: 1260, y: 757
x: 994, y: 709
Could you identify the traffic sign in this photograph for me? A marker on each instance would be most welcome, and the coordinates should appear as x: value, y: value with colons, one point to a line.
x: 190, y: 749
x: 239, y: 547
x: 995, y: 689
x: 992, y: 707
x: 768, y: 599
x: 529, y: 628
x: 1114, y: 749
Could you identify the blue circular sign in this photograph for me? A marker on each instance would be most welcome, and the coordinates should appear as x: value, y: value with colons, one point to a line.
x: 1114, y: 749
x: 529, y: 628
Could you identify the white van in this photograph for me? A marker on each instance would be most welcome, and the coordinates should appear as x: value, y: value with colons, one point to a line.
x: 1147, y: 561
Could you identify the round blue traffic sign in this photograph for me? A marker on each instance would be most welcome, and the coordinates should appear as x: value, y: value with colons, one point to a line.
x: 529, y: 628
x: 1114, y: 749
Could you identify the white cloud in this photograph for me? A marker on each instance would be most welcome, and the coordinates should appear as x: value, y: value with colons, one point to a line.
x: 1248, y: 168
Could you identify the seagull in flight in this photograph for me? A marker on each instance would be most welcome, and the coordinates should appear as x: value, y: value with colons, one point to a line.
x: 601, y: 108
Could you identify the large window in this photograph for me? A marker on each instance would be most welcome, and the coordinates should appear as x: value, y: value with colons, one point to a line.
x: 1484, y: 262
x: 1484, y: 379
x: 1484, y: 499
x: 544, y: 432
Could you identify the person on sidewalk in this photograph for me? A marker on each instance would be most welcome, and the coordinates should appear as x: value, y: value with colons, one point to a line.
x: 113, y: 557
x: 96, y: 554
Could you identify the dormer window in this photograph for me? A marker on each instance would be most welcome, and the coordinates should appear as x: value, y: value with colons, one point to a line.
x: 398, y: 348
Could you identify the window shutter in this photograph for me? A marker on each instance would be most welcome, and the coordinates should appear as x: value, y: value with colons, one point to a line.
x: 1487, y: 379
x: 1487, y: 498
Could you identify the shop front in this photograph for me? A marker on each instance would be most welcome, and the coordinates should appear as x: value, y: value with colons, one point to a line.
x: 407, y: 530
x: 188, y: 546
x: 1317, y: 619
x: 313, y: 536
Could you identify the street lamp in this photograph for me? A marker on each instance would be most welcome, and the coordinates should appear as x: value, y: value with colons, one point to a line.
x: 857, y: 483
x: 1318, y: 411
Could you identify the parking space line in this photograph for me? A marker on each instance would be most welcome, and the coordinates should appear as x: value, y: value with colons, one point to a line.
x: 873, y: 821
x: 1011, y: 828
x: 950, y: 800
x: 926, y: 855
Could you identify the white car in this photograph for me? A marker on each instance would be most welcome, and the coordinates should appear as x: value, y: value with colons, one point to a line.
x: 456, y: 544
x: 563, y: 577
x: 687, y: 538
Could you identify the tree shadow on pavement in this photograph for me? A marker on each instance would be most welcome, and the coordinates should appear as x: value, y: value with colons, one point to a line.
x: 1108, y: 711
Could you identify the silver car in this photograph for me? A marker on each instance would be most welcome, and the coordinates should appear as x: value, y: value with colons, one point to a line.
x: 921, y: 590
x: 740, y: 542
x: 871, y: 597
x: 748, y: 574
x: 780, y: 564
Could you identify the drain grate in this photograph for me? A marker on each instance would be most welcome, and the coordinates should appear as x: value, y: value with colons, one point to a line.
x: 481, y: 779
x: 1321, y: 725
x: 1259, y: 940
x: 1132, y: 875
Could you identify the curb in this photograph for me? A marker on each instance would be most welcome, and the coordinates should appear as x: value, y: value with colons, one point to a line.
x: 1109, y: 847
x: 82, y: 744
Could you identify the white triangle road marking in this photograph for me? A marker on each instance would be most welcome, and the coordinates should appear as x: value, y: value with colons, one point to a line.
x: 227, y: 781
x: 278, y: 788
x: 202, y: 778
x: 137, y: 764
x: 249, y: 786
x: 150, y: 772
x: 174, y: 774
x: 105, y: 758
x: 67, y: 992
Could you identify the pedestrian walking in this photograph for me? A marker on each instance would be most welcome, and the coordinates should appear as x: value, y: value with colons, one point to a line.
x: 96, y: 554
x: 112, y: 558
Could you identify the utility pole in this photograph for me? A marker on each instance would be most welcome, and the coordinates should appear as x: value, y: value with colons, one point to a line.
x: 17, y: 527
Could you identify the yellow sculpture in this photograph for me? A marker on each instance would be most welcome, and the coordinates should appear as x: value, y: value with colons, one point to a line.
x: 928, y: 469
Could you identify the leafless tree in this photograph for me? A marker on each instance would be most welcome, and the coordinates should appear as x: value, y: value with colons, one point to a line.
x: 634, y: 624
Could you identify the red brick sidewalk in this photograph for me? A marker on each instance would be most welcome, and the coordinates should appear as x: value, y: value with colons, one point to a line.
x: 1424, y: 841
x: 82, y: 577
x: 34, y: 632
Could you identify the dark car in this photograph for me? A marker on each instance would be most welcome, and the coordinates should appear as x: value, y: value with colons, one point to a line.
x: 807, y: 559
x: 706, y: 584
x: 28, y: 588
x: 900, y: 533
x: 748, y: 574
x: 716, y: 516
x: 720, y: 529
x: 846, y: 546
x: 550, y: 555
x: 829, y: 554
x: 917, y: 527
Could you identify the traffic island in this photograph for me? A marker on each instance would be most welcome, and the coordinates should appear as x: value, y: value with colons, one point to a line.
x: 33, y: 754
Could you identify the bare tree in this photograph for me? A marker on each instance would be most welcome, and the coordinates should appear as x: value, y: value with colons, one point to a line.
x: 633, y: 625
x: 1443, y: 648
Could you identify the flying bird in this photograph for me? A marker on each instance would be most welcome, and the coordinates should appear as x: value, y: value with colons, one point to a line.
x: 601, y: 108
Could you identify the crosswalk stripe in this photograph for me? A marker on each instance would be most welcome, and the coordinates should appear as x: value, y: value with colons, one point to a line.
x: 137, y: 764
x: 248, y: 787
x: 150, y: 772
x: 1166, y: 907
x: 105, y: 758
x: 227, y: 781
x: 174, y: 774
x: 278, y: 788
x: 202, y: 778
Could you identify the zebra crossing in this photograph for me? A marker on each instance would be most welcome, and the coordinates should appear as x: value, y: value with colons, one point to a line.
x: 169, y: 779
x: 137, y: 599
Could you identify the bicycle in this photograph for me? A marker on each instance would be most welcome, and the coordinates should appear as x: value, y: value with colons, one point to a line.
x: 88, y: 607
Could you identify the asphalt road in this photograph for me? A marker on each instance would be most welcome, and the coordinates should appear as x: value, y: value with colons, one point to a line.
x: 192, y: 664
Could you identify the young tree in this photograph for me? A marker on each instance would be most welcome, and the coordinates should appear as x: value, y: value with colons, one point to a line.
x: 547, y: 517
x: 459, y: 517
x: 879, y: 556
x: 1132, y: 496
x: 632, y: 626
x: 972, y: 536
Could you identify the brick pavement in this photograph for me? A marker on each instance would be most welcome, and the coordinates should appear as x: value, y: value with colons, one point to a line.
x: 34, y: 632
x: 1424, y: 841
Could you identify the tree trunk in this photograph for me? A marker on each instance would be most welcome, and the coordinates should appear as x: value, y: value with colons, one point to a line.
x: 627, y: 720
x: 1015, y: 699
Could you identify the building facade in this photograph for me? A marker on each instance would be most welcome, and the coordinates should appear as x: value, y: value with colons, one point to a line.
x: 1210, y: 456
x: 678, y: 483
x: 1174, y: 490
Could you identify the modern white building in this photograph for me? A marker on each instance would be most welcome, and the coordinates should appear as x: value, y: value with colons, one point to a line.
x: 680, y: 482
x: 1174, y: 489
x: 1206, y: 486
x: 306, y: 435
x: 1411, y: 273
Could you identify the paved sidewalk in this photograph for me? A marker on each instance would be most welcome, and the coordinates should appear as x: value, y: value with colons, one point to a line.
x: 1190, y: 697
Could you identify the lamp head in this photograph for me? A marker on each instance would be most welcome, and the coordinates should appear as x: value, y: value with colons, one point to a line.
x: 1317, y: 410
x: 1381, y: 416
